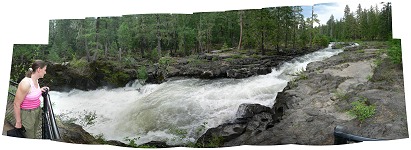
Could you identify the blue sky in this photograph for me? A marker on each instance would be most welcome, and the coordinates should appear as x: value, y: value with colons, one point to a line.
x: 324, y: 10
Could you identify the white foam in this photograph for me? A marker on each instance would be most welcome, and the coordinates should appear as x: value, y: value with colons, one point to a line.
x: 148, y: 112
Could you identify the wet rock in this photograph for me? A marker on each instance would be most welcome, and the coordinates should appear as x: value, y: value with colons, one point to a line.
x: 249, y: 110
x: 156, y: 144
x: 73, y: 133
x: 251, y: 119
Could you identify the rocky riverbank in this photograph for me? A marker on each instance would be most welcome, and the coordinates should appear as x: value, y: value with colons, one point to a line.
x: 217, y: 64
x: 319, y: 99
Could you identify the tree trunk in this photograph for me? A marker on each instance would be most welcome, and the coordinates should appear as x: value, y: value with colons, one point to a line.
x: 158, y: 36
x: 278, y: 29
x: 94, y: 56
x: 175, y: 41
x: 312, y: 25
x: 97, y: 31
x: 294, y: 33
x: 105, y: 49
x: 119, y: 54
x: 200, y: 45
x: 142, y: 41
x: 262, y: 34
x: 241, y: 30
x: 87, y: 50
x: 286, y: 36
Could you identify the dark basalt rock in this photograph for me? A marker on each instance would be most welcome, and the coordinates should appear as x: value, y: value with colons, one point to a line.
x: 251, y: 119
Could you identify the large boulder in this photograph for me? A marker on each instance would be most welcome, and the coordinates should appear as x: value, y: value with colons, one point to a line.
x: 73, y: 133
x: 251, y: 119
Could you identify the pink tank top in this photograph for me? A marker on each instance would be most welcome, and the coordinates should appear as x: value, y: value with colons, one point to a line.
x: 32, y: 99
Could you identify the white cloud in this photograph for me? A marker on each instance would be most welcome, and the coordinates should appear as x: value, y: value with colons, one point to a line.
x: 324, y: 11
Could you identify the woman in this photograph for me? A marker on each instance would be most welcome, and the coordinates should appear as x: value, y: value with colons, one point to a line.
x: 27, y: 99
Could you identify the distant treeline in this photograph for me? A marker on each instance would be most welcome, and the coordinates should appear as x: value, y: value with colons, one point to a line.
x: 151, y: 36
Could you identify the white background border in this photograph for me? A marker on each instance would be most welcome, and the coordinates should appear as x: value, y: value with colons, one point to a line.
x: 26, y: 22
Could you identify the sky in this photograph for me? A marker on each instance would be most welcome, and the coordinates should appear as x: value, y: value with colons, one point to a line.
x: 26, y: 22
x: 325, y: 10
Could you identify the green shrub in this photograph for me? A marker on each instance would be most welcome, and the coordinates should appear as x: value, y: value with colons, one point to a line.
x: 339, y: 46
x: 100, y: 138
x: 394, y: 52
x: 166, y: 61
x: 78, y: 63
x: 300, y: 75
x: 129, y: 60
x: 361, y: 110
x: 53, y: 56
x: 89, y: 118
x: 117, y: 78
x: 321, y: 40
x: 18, y: 70
x: 153, y: 55
x: 131, y: 142
x: 142, y: 73
x: 215, y: 142
x: 224, y: 47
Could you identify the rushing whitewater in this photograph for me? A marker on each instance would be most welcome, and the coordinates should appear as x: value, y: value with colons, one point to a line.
x: 153, y: 112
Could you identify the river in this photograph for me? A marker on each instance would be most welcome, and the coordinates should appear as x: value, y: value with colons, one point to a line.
x: 154, y: 112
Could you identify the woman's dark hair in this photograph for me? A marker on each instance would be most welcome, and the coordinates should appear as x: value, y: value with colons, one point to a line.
x: 36, y: 64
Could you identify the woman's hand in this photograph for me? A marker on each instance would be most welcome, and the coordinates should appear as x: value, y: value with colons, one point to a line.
x: 44, y: 89
x: 18, y: 125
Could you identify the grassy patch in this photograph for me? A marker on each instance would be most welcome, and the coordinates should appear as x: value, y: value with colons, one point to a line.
x: 345, y: 57
x: 300, y: 75
x: 369, y: 77
x: 194, y: 60
x: 216, y: 141
x: 255, y: 56
x: 224, y: 47
x: 229, y: 59
x: 377, y: 62
x: 339, y: 46
x: 361, y: 110
x: 385, y: 71
x: 341, y: 95
x: 293, y: 84
x: 238, y: 56
x: 360, y: 51
x: 166, y: 61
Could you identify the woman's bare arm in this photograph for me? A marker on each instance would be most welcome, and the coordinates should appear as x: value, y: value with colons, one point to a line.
x: 22, y: 90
